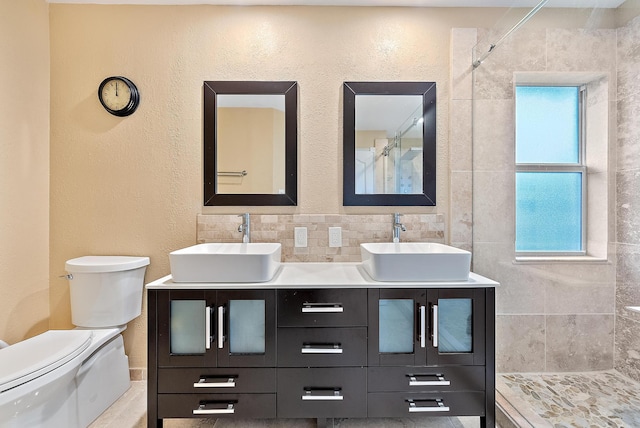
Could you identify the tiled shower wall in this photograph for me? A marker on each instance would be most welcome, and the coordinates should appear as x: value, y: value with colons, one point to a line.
x: 356, y: 229
x: 551, y: 316
x: 627, y: 355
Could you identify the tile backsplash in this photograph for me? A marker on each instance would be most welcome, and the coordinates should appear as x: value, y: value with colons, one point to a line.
x: 356, y: 229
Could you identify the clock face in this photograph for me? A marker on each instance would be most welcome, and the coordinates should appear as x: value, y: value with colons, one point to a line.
x: 119, y: 95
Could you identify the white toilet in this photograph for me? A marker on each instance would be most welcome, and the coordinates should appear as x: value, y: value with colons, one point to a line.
x: 67, y: 378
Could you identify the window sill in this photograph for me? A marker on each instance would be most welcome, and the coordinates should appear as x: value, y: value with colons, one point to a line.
x: 559, y: 259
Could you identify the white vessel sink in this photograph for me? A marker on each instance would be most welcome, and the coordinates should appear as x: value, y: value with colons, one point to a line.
x: 226, y: 262
x: 415, y: 261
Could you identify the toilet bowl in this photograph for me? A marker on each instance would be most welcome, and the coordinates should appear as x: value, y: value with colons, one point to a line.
x: 67, y: 378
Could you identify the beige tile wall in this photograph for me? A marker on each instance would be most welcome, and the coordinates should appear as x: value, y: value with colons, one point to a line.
x: 627, y: 352
x: 550, y: 316
x: 356, y: 229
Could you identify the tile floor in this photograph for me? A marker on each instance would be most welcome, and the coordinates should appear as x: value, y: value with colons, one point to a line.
x: 593, y: 399
x: 130, y: 412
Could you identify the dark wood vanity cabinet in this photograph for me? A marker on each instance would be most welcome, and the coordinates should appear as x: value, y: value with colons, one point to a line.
x: 321, y: 353
x: 212, y: 353
x: 428, y: 354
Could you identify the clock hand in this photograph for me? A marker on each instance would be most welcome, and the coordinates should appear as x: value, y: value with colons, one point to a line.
x: 116, y: 89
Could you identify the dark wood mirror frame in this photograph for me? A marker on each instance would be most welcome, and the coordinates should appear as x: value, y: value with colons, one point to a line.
x: 428, y: 92
x: 290, y: 90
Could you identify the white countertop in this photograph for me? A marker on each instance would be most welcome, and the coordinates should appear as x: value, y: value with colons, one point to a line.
x: 323, y: 275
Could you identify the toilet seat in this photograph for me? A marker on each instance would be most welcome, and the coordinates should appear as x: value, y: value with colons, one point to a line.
x: 39, y: 355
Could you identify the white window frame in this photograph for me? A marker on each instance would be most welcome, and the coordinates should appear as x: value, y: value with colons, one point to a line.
x: 563, y: 167
x: 596, y: 157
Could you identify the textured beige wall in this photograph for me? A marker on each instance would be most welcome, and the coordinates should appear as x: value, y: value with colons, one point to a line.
x: 133, y: 185
x: 24, y: 169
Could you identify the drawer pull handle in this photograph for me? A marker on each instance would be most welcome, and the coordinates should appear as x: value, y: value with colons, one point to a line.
x: 202, y: 383
x: 316, y: 308
x: 439, y: 408
x: 413, y: 380
x: 201, y: 410
x: 330, y: 394
x: 321, y: 349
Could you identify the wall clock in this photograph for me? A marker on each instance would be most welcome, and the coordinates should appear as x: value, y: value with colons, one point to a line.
x: 119, y: 95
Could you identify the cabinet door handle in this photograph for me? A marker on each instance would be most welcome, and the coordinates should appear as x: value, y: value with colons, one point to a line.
x: 440, y: 407
x: 423, y: 326
x: 220, y: 327
x: 328, y: 394
x: 315, y: 308
x: 435, y: 326
x: 321, y: 349
x: 441, y: 381
x: 202, y: 410
x: 202, y: 383
x: 207, y: 327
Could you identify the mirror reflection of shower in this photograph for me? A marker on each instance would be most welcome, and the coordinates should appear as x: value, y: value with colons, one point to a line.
x: 389, y: 147
x: 398, y: 161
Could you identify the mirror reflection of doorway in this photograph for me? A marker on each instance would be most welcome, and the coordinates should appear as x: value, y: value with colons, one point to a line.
x: 365, y: 170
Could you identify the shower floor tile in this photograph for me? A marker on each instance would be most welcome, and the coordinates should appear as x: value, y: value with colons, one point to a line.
x: 593, y: 399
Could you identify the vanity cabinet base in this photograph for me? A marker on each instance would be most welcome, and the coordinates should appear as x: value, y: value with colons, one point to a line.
x: 320, y: 357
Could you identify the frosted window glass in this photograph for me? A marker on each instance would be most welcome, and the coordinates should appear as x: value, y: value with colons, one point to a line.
x: 549, y: 211
x: 396, y: 325
x: 454, y: 326
x: 247, y: 326
x: 547, y: 124
x: 187, y: 326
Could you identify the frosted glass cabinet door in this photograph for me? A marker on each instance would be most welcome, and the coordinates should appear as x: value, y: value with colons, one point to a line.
x: 395, y: 327
x: 246, y: 328
x: 417, y: 327
x: 456, y: 326
x: 216, y: 328
x: 187, y: 327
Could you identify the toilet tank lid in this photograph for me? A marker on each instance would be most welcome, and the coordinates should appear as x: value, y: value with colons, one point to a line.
x: 97, y: 264
x: 40, y: 354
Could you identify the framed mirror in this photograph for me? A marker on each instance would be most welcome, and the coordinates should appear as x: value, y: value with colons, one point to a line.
x: 250, y: 143
x: 389, y: 138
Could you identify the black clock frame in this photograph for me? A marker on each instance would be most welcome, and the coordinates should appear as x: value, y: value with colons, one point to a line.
x: 133, y: 102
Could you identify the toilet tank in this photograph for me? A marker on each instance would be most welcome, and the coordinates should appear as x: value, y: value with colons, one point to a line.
x: 106, y: 291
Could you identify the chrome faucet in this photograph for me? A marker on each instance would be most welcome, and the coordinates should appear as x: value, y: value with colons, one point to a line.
x: 397, y: 227
x: 245, y: 228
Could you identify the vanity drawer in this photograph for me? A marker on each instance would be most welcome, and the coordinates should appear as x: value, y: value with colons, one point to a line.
x: 403, y: 404
x: 322, y: 347
x: 322, y: 393
x: 216, y: 405
x: 210, y: 380
x: 458, y: 378
x: 322, y: 308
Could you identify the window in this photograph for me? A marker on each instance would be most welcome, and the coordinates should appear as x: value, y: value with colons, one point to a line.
x: 551, y: 173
